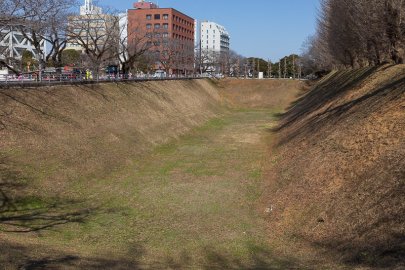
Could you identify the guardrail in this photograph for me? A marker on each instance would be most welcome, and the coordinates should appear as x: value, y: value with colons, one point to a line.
x: 30, y: 81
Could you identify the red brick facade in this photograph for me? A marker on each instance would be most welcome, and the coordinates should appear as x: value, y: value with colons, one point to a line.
x: 170, y: 34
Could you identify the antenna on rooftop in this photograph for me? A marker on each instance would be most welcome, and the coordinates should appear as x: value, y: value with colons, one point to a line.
x: 89, y: 8
x: 87, y: 4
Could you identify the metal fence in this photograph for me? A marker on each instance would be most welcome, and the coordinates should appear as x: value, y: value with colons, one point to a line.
x: 68, y: 79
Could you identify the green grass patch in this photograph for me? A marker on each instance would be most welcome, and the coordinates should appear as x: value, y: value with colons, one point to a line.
x: 30, y: 203
x: 256, y: 174
x: 193, y: 193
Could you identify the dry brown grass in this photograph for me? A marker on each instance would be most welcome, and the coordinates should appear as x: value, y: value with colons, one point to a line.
x: 82, y: 131
x: 133, y: 176
x: 275, y: 94
x: 338, y: 185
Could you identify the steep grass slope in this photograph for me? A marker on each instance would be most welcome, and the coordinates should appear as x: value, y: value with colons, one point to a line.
x: 338, y: 183
x: 52, y: 136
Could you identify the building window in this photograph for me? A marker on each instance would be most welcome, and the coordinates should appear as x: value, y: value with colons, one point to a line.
x: 165, y: 26
x: 148, y: 26
x: 157, y: 16
x: 157, y: 35
x: 165, y: 35
x: 149, y: 17
x: 157, y: 26
x: 165, y: 16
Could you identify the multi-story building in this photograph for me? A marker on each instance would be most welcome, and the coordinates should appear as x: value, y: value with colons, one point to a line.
x: 213, y: 48
x: 91, y: 27
x: 214, y: 37
x: 169, y: 36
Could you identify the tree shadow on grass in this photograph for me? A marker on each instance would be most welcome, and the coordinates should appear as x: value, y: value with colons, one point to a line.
x: 330, y: 91
x: 259, y: 258
x: 211, y: 257
x: 22, y: 212
x: 35, y: 257
x: 336, y: 85
x: 29, y: 257
x: 376, y: 254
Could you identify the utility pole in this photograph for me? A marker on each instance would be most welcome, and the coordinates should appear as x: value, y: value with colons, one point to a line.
x: 299, y: 69
x: 201, y: 63
x: 269, y: 68
x: 238, y: 66
x: 253, y: 67
x: 285, y: 67
x: 293, y: 66
x: 279, y: 69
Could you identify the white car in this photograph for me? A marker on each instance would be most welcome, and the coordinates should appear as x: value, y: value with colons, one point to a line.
x: 159, y: 74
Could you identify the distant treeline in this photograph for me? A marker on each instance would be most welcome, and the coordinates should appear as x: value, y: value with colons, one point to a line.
x: 356, y: 33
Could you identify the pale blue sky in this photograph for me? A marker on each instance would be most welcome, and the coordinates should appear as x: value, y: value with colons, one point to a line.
x: 259, y: 28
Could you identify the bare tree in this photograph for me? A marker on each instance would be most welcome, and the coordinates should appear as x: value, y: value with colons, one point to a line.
x: 133, y: 45
x: 210, y: 60
x: 43, y: 21
x: 394, y: 18
x: 98, y: 35
x: 355, y: 33
x: 234, y: 62
x: 57, y: 38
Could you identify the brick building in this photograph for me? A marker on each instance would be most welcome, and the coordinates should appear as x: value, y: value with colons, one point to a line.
x: 168, y: 33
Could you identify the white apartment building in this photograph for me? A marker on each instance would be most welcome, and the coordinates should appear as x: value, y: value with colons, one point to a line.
x: 214, y: 37
x: 91, y: 23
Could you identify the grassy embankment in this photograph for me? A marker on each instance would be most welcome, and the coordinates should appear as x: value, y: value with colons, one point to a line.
x: 137, y: 175
x: 338, y: 180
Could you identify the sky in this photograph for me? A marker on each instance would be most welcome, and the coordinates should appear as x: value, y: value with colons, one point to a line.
x: 270, y: 29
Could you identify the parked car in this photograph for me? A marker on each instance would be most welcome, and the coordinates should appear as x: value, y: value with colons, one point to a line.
x: 160, y: 74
